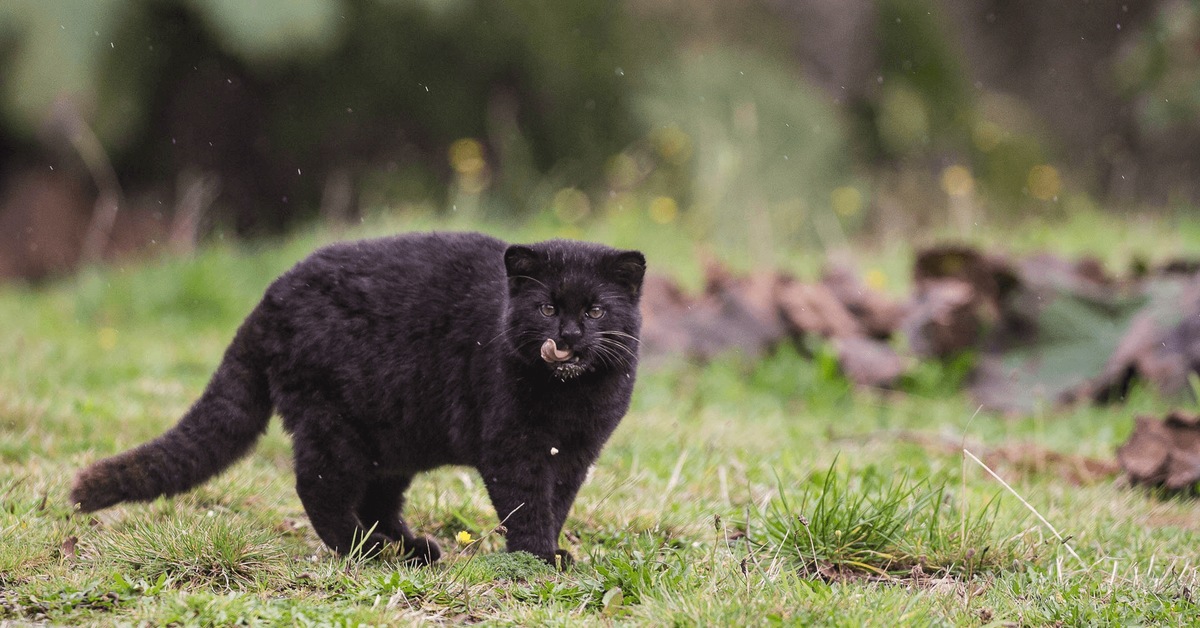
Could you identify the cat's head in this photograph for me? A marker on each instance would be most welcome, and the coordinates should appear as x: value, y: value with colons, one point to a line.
x: 581, y: 296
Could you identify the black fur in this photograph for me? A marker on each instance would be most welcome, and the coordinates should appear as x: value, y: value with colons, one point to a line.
x: 393, y: 356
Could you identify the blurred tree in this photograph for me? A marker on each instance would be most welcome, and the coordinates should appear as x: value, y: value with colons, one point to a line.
x: 756, y: 120
x: 1053, y: 63
x: 1157, y: 72
x: 277, y: 99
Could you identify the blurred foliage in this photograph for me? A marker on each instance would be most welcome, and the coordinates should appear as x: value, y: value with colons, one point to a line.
x: 924, y: 94
x: 765, y: 154
x: 110, y: 53
x: 1162, y: 69
x: 986, y: 142
x: 721, y: 118
x: 273, y: 88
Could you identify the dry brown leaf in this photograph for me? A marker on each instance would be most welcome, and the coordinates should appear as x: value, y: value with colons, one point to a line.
x: 878, y: 315
x: 1163, y: 452
x: 815, y: 309
x: 68, y: 548
x: 869, y: 362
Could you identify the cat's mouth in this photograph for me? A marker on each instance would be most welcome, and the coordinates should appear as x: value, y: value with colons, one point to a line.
x: 564, y: 362
x: 552, y: 354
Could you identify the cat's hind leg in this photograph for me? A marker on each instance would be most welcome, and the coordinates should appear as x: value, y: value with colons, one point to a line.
x: 329, y: 498
x: 331, y: 480
x: 381, y: 506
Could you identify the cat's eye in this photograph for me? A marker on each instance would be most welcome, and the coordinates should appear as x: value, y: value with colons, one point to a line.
x: 546, y: 309
x: 595, y: 311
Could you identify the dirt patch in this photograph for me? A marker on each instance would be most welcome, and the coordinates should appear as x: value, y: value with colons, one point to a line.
x: 1031, y: 459
x: 912, y: 578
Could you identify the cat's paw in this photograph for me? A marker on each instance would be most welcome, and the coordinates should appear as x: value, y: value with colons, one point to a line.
x: 421, y: 551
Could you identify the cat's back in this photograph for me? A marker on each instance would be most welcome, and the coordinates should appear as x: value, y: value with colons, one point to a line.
x: 420, y: 265
x: 417, y: 285
x: 410, y: 258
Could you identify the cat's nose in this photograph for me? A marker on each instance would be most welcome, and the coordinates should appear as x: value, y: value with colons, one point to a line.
x: 570, y: 333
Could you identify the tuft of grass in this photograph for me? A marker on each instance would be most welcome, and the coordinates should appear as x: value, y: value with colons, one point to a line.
x: 647, y: 563
x: 221, y: 552
x: 514, y: 566
x: 24, y: 551
x: 31, y: 530
x: 881, y: 524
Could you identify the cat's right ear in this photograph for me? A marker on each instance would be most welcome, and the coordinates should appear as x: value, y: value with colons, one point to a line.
x: 628, y: 268
x: 521, y: 261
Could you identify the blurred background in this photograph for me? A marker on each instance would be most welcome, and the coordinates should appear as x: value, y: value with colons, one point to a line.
x: 134, y: 126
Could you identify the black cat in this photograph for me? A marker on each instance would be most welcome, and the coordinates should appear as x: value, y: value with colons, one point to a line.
x: 393, y: 356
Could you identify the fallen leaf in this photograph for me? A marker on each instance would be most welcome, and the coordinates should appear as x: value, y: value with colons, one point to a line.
x: 68, y: 548
x: 869, y: 362
x: 878, y: 315
x: 612, y: 601
x: 1163, y: 452
x: 815, y: 309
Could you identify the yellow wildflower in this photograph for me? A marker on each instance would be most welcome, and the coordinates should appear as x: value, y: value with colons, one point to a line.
x: 1044, y: 182
x: 107, y: 338
x: 876, y: 279
x: 663, y: 210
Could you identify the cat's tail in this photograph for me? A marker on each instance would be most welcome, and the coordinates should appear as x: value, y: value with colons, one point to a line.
x: 220, y: 428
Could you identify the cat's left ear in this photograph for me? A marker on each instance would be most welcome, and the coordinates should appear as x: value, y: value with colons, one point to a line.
x: 628, y: 268
x: 521, y: 261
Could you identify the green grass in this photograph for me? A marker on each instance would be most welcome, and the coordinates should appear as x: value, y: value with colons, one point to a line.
x: 739, y: 492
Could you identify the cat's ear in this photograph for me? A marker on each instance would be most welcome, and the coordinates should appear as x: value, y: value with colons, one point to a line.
x: 521, y: 261
x: 628, y: 268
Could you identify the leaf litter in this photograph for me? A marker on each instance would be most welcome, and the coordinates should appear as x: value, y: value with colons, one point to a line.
x: 1044, y: 330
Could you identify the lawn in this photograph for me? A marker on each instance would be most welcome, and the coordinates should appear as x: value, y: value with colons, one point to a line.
x: 738, y: 492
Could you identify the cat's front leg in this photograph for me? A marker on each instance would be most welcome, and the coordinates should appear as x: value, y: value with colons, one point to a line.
x: 522, y: 494
x: 564, y: 491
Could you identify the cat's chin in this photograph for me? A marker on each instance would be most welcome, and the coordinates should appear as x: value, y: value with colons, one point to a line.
x: 569, y: 370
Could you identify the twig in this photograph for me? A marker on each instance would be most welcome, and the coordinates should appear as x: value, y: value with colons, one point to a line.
x: 196, y: 192
x: 67, y: 120
x: 676, y: 472
x: 337, y: 198
x: 1029, y: 506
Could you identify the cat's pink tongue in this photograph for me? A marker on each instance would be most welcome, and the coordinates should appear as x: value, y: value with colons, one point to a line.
x: 551, y: 353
